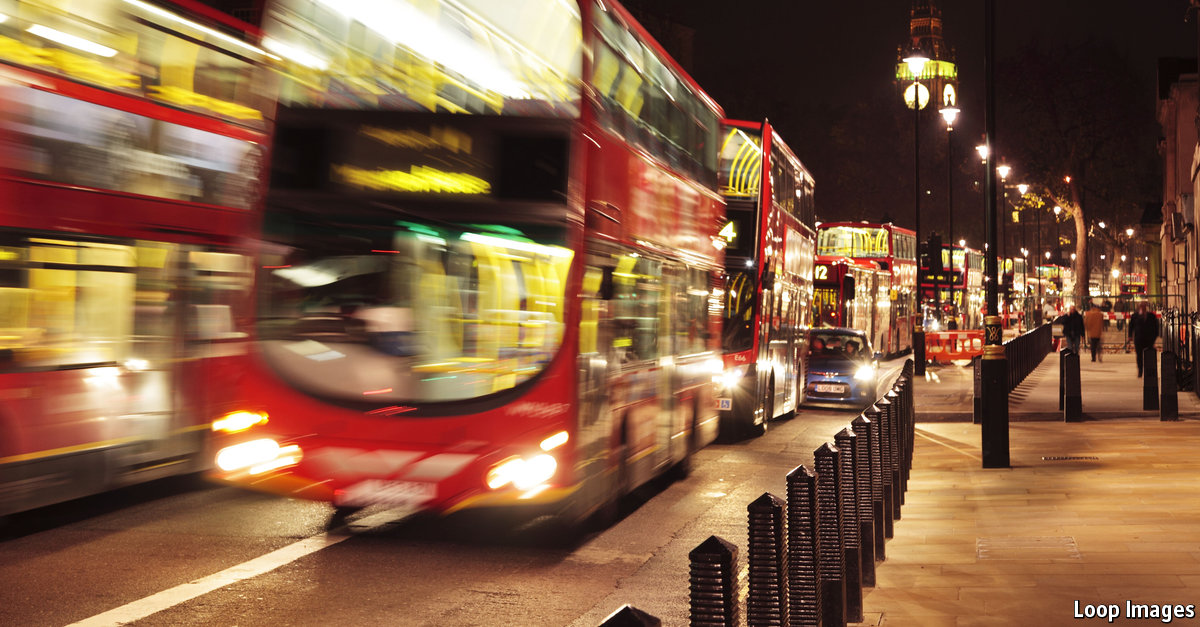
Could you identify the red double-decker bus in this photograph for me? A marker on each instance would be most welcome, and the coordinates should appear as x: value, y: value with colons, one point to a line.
x: 134, y: 136
x: 959, y: 290
x: 770, y: 235
x: 491, y: 261
x: 853, y: 294
x: 895, y: 250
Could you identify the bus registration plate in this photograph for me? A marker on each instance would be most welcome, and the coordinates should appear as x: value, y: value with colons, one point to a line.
x: 386, y: 492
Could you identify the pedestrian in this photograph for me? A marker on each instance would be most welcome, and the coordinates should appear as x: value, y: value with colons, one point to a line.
x: 1120, y: 309
x: 1143, y: 330
x: 1106, y: 307
x: 1073, y: 329
x: 1048, y: 311
x: 1093, y: 326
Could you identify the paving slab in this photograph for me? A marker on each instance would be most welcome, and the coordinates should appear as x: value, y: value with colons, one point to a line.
x: 1043, y: 541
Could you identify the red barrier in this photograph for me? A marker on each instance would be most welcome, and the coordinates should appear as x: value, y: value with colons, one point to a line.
x: 947, y: 346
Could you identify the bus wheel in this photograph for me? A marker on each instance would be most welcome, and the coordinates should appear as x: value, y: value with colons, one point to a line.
x: 682, y: 469
x: 340, y: 516
x: 611, y: 510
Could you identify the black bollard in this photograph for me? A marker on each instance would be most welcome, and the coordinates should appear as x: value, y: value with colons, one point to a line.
x: 918, y: 340
x: 863, y: 491
x: 885, y: 465
x: 804, y: 577
x: 879, y: 514
x: 1168, y: 409
x: 713, y: 584
x: 1062, y: 382
x: 829, y: 531
x: 1072, y: 387
x: 845, y: 440
x: 894, y: 447
x: 629, y: 616
x: 767, y: 603
x: 977, y: 374
x: 1150, y: 379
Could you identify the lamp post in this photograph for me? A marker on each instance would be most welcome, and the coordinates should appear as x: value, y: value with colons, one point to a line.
x: 1003, y: 170
x: 993, y: 367
x: 1057, y: 234
x: 912, y: 97
x: 949, y: 114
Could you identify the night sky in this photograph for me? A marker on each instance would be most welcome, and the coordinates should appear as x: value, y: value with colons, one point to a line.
x: 800, y: 62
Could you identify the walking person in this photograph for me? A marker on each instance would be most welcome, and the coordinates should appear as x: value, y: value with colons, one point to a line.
x: 1093, y: 326
x: 1073, y: 329
x: 1143, y: 330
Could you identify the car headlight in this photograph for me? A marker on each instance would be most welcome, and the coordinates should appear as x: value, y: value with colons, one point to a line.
x: 732, y: 377
x: 865, y: 372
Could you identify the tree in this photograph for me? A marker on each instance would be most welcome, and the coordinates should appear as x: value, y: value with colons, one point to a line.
x: 1078, y: 123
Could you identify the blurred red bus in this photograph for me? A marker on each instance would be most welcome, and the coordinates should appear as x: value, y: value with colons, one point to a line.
x: 134, y: 135
x: 489, y: 273
x: 770, y: 236
x: 895, y: 250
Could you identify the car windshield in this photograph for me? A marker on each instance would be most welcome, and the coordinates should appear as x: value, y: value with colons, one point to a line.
x: 839, y: 345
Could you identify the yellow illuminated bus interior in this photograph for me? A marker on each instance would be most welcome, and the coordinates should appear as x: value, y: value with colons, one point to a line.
x: 421, y: 312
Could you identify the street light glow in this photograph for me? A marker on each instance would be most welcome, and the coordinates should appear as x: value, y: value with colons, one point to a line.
x: 949, y: 114
x: 1022, y: 188
x: 1003, y: 170
x: 916, y: 62
x: 1057, y: 210
x: 962, y: 242
x: 1101, y: 223
x: 1129, y: 232
x: 983, y: 151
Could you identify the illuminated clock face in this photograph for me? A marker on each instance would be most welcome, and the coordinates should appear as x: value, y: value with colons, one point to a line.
x: 949, y: 97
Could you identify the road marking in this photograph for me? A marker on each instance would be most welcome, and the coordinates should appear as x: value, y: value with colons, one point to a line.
x: 182, y: 593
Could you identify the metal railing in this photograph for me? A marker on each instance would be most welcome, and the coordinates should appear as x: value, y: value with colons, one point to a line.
x: 1025, y: 352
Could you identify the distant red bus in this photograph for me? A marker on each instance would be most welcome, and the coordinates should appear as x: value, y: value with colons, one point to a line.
x: 854, y: 294
x: 134, y: 136
x: 491, y: 272
x: 770, y: 236
x: 895, y: 250
x: 959, y: 289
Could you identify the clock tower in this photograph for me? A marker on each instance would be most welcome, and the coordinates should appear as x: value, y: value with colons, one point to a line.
x: 939, y: 78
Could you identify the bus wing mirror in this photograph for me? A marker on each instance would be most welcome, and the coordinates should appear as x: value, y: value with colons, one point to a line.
x: 768, y: 280
x: 606, y: 284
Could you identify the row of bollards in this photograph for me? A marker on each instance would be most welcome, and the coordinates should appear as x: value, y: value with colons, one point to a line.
x: 811, y: 554
x: 1162, y: 398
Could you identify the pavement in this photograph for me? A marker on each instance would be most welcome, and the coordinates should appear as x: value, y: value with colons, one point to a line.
x: 1092, y: 522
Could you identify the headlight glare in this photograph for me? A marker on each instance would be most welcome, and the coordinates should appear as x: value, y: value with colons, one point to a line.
x: 865, y: 372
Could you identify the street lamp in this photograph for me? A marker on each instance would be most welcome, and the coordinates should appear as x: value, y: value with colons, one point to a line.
x: 949, y: 114
x: 1003, y: 170
x: 1057, y: 233
x: 916, y: 96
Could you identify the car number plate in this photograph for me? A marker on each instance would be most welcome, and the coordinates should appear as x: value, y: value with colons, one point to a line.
x: 724, y: 403
x: 386, y: 492
x: 831, y: 388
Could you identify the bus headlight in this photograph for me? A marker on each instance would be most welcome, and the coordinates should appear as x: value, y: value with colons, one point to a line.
x: 865, y: 372
x: 257, y: 456
x: 522, y: 473
x: 239, y: 421
x: 732, y: 377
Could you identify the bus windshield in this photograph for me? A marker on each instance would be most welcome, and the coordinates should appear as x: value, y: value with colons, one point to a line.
x: 738, y: 323
x: 407, y: 311
x: 854, y: 242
